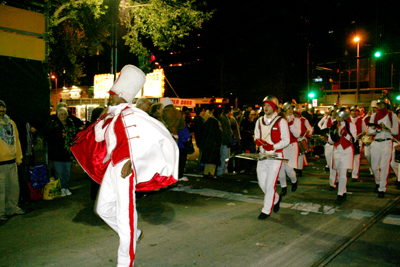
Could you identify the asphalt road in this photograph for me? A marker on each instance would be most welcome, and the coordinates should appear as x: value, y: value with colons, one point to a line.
x: 214, y: 223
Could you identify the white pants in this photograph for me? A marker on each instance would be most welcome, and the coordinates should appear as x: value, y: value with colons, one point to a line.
x: 332, y: 172
x: 342, y: 181
x: 267, y: 174
x: 356, y: 167
x: 289, y: 171
x: 116, y: 205
x: 395, y: 166
x: 302, y: 161
x: 381, y: 155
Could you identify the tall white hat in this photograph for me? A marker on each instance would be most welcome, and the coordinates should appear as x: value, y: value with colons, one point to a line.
x: 129, y: 83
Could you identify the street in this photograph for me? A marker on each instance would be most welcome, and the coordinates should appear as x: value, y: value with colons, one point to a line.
x: 214, y: 223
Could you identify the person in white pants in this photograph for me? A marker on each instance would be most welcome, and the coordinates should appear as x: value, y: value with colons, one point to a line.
x: 367, y: 147
x: 396, y: 147
x: 141, y: 156
x: 271, y: 135
x: 329, y: 150
x: 384, y: 125
x: 305, y: 130
x: 361, y: 128
x: 343, y: 151
x: 290, y: 152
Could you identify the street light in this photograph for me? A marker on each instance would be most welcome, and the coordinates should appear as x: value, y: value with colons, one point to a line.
x: 55, y: 78
x: 357, y: 40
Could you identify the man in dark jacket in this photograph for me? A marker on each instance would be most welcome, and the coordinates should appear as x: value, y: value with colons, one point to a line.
x: 226, y: 140
x: 198, y: 127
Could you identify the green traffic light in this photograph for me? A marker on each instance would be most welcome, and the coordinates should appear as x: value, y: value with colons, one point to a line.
x: 398, y: 97
x: 377, y: 54
x: 311, y: 95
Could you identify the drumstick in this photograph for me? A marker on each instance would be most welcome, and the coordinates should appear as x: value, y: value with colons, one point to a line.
x: 397, y: 141
x: 266, y: 137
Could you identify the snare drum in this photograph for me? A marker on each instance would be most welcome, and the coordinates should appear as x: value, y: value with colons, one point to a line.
x: 367, y: 140
x: 303, y: 147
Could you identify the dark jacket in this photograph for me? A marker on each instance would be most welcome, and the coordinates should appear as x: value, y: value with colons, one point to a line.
x: 53, y: 133
x: 213, y: 140
x: 226, y: 130
x: 198, y: 127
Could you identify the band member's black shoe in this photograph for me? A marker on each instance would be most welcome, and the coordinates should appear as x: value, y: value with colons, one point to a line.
x: 348, y: 174
x: 283, y: 192
x: 344, y: 197
x: 262, y: 216
x: 294, y: 187
x: 376, y: 188
x: 327, y: 168
x: 276, y: 206
x: 299, y: 173
x: 381, y: 194
x: 339, y: 201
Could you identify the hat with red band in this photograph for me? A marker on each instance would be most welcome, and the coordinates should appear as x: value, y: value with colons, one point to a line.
x: 272, y: 101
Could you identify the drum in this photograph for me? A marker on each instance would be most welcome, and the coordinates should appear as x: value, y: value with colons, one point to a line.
x: 318, y: 140
x: 367, y: 140
x: 303, y: 147
x: 397, y: 154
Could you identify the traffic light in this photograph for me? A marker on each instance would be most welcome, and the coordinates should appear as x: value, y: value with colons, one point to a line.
x: 378, y: 54
x: 311, y: 95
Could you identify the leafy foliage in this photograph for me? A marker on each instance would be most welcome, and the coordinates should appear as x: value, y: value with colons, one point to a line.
x: 163, y: 22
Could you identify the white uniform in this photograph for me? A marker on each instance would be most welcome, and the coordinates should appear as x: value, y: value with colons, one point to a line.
x: 328, y: 154
x: 356, y: 162
x: 154, y: 157
x: 268, y: 170
x: 381, y: 148
x: 342, y: 158
x: 302, y: 159
x: 291, y: 152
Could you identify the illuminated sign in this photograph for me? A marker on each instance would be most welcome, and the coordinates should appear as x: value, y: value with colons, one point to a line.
x: 180, y: 102
x: 102, y: 84
x: 154, y: 86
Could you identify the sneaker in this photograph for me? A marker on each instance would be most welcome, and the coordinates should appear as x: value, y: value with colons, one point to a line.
x: 63, y: 193
x: 20, y: 211
x: 67, y: 192
x: 3, y: 218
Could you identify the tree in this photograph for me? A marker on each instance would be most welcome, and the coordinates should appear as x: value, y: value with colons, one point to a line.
x: 150, y: 25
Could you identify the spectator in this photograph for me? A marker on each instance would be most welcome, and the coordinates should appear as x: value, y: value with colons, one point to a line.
x: 156, y: 111
x: 236, y: 140
x: 198, y: 130
x: 176, y: 124
x: 144, y: 104
x: 187, y: 116
x: 226, y: 140
x: 10, y: 157
x: 58, y: 133
x: 212, y: 148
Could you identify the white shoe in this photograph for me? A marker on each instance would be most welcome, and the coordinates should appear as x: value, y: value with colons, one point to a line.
x: 67, y: 192
x: 140, y: 236
x: 63, y: 193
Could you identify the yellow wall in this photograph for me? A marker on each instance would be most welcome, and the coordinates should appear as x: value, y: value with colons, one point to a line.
x: 18, y: 44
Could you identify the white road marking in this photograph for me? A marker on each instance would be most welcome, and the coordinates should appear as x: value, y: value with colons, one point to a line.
x: 305, y: 208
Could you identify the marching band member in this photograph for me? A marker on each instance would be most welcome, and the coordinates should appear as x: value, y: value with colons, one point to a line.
x: 366, y: 119
x: 305, y: 130
x: 395, y: 165
x: 329, y: 149
x: 271, y: 134
x: 384, y: 124
x: 291, y: 151
x: 360, y: 127
x: 343, y: 152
